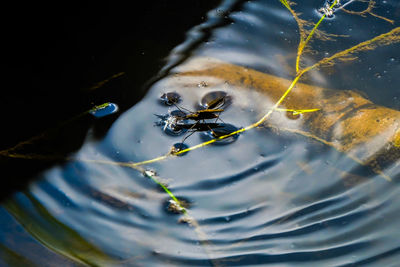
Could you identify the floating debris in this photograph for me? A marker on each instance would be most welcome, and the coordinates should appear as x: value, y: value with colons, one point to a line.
x: 202, y: 84
x: 149, y: 173
x: 329, y: 8
x: 178, y: 147
x: 104, y: 110
x: 177, y: 206
x: 186, y: 219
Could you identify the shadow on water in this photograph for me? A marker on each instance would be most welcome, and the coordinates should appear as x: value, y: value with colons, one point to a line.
x: 286, y: 193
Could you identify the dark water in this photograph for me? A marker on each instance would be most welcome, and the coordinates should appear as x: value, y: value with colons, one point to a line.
x: 265, y: 199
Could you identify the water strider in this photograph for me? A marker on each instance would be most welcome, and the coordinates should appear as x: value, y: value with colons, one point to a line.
x: 177, y: 121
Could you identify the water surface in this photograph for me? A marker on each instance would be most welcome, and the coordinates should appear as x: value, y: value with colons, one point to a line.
x: 267, y: 198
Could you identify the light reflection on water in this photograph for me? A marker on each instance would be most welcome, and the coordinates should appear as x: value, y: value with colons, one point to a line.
x: 269, y: 197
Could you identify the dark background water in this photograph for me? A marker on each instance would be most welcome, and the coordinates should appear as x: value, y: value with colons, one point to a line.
x: 268, y: 198
x: 53, y: 54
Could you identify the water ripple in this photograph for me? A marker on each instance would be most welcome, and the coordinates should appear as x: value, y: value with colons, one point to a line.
x: 215, y: 183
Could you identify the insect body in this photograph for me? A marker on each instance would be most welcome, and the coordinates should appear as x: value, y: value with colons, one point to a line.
x: 205, y: 114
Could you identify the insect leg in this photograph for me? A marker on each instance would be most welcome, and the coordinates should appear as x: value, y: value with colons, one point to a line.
x: 191, y: 132
x: 218, y: 118
x: 180, y: 109
x: 214, y: 134
x: 187, y: 136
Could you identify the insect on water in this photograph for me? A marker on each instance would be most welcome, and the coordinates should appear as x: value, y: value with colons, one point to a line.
x: 205, y: 114
x: 200, y: 118
x: 184, y: 120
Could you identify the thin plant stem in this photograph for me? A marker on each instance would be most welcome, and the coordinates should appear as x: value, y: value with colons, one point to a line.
x: 302, y: 45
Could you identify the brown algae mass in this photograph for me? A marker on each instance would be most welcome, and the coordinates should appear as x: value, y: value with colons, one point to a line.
x: 345, y: 120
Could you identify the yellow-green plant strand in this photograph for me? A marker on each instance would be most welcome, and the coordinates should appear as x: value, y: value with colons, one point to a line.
x: 169, y: 193
x: 285, y: 3
x: 163, y: 187
x: 279, y: 101
x: 296, y: 18
x: 298, y: 111
x: 213, y: 140
x: 148, y: 161
x: 383, y: 39
x: 302, y: 45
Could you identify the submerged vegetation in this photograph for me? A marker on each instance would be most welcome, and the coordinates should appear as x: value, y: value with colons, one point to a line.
x: 307, y: 31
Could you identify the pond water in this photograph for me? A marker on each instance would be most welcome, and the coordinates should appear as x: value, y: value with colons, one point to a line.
x: 266, y: 197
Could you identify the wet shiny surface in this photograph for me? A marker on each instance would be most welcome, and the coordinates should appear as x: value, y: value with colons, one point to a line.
x: 270, y: 197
